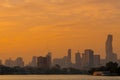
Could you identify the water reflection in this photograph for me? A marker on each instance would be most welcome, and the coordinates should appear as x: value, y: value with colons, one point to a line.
x: 57, y: 77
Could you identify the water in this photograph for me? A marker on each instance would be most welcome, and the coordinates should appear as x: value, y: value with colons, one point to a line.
x: 57, y: 77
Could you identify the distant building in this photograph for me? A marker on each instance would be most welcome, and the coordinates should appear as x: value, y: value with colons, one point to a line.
x: 84, y: 61
x: 9, y: 62
x: 65, y: 62
x: 19, y: 62
x: 78, y: 60
x: 96, y: 60
x: 49, y: 59
x: 110, y: 56
x: 88, y: 59
x: 57, y: 61
x: 61, y: 61
x: 44, y: 62
x: 69, y: 62
x: 33, y: 63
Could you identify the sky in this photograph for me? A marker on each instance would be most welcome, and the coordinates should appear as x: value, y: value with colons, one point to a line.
x: 34, y: 27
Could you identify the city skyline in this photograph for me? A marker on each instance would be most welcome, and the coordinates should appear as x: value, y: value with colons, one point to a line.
x: 84, y: 59
x: 72, y: 54
x: 35, y: 27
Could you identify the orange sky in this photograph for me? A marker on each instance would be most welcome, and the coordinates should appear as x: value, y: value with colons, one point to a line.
x: 34, y: 27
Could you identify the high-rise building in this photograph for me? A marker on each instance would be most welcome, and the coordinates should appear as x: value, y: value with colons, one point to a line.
x: 84, y: 60
x: 110, y: 56
x: 49, y: 59
x: 9, y: 62
x: 78, y: 60
x: 19, y: 62
x: 88, y: 59
x: 69, y: 62
x: 44, y: 62
x: 96, y: 60
x: 33, y: 63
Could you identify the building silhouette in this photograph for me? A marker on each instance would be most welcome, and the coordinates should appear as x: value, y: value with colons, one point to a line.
x: 78, y: 60
x: 9, y: 62
x: 61, y: 61
x: 19, y: 62
x: 33, y: 63
x: 88, y: 59
x: 44, y: 62
x: 110, y: 55
x: 49, y: 59
x: 96, y: 60
x: 69, y: 57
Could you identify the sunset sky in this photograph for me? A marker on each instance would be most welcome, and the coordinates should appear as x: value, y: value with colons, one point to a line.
x: 34, y: 27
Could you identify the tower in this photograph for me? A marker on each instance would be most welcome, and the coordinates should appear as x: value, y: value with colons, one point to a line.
x: 49, y: 59
x: 69, y: 57
x: 88, y: 59
x: 78, y: 60
x: 110, y: 56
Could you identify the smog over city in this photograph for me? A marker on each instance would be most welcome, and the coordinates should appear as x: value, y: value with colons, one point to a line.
x: 59, y: 36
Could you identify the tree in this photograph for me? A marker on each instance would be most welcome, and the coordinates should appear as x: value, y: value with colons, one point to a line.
x: 112, y: 67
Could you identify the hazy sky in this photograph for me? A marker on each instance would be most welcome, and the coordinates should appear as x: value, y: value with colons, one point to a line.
x: 34, y: 27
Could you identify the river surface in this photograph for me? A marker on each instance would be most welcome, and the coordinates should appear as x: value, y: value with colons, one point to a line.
x: 57, y: 77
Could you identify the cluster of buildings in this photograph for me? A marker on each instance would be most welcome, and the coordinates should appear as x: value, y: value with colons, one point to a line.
x: 17, y: 62
x: 84, y: 61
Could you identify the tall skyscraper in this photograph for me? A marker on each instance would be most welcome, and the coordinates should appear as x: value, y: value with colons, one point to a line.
x: 78, y: 60
x: 49, y: 59
x: 88, y: 59
x: 110, y: 56
x: 69, y: 57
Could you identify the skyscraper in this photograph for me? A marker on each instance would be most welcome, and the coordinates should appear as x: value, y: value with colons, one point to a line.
x: 110, y: 56
x: 44, y: 62
x: 49, y: 59
x: 78, y: 60
x: 96, y: 60
x: 69, y: 57
x: 88, y: 59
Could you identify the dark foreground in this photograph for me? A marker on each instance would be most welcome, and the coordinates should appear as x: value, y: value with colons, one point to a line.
x: 111, y: 69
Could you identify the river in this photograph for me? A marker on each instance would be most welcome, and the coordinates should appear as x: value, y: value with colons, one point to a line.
x: 57, y: 77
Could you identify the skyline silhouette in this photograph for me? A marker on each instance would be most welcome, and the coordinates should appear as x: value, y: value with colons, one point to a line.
x: 85, y: 60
